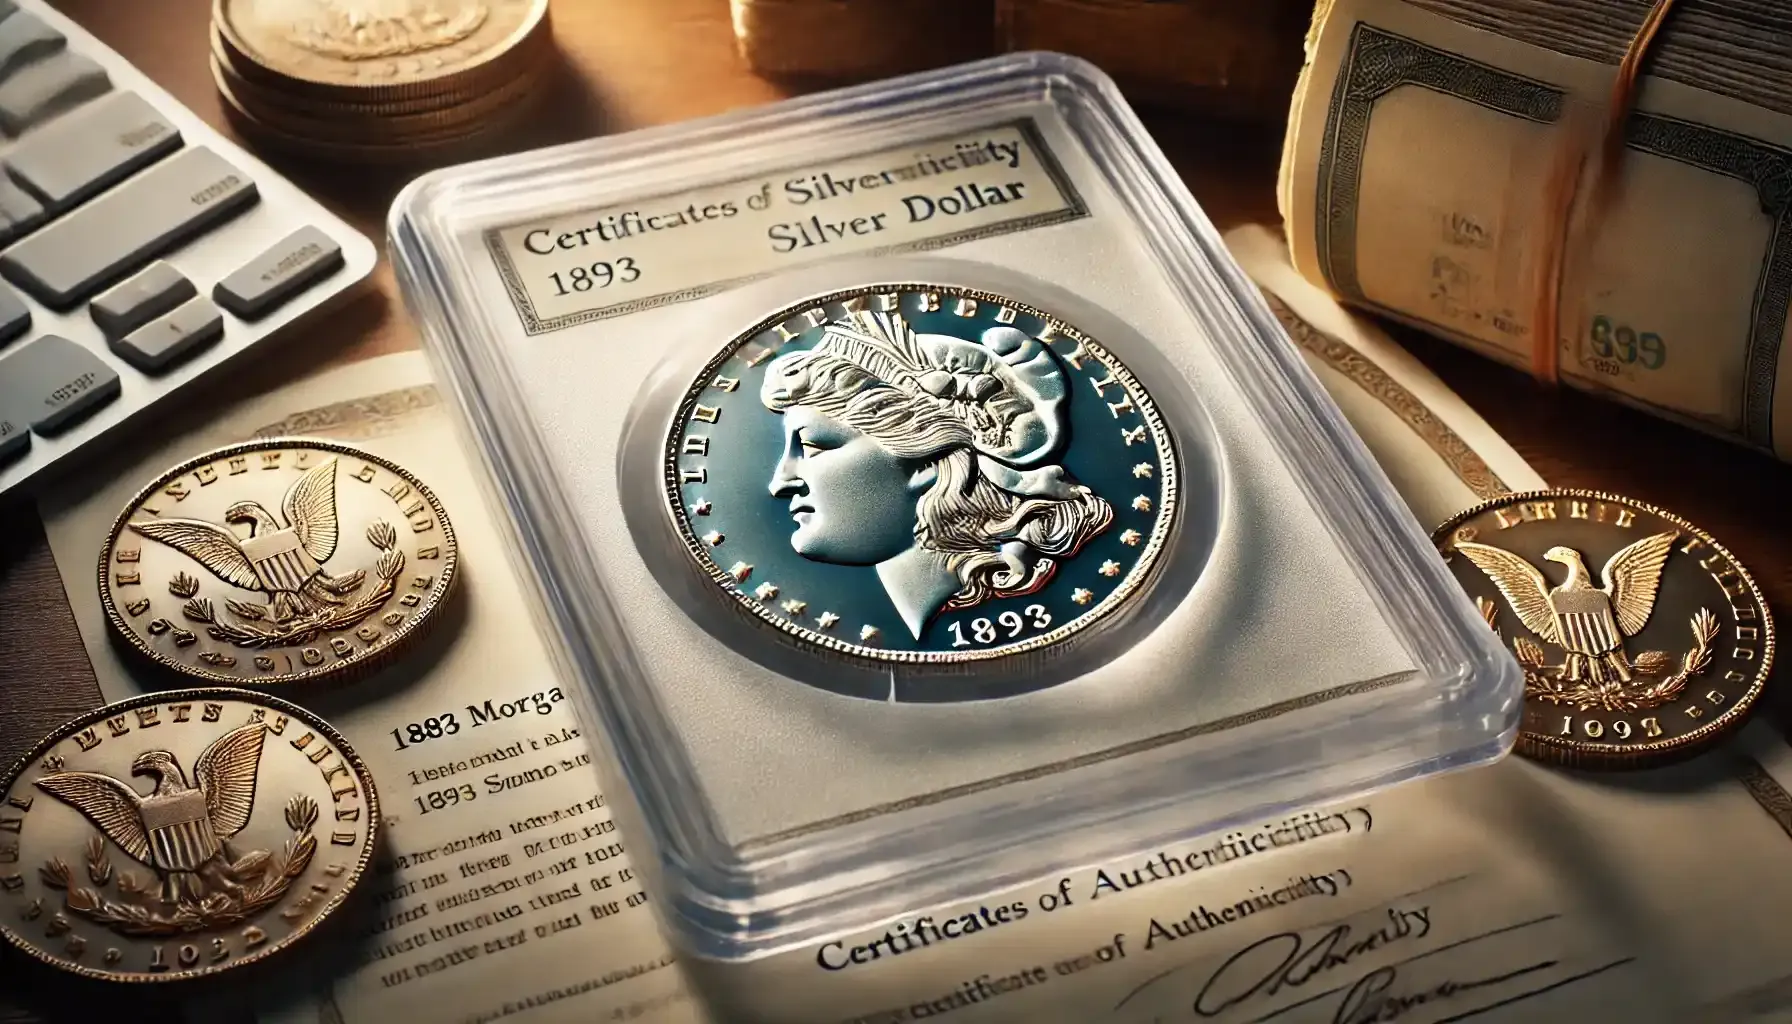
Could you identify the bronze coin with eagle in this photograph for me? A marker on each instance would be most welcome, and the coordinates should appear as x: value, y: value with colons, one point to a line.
x: 278, y: 561
x: 1641, y: 638
x: 181, y: 833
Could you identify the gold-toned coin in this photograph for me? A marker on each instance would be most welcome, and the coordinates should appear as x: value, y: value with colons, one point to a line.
x: 278, y: 561
x: 387, y: 47
x: 1641, y: 638
x: 180, y: 834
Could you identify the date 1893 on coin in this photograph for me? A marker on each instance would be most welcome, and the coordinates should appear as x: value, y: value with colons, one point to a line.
x: 1640, y: 637
x: 179, y: 834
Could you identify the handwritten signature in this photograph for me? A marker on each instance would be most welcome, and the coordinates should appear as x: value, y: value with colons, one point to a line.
x: 1292, y: 961
x: 1370, y: 999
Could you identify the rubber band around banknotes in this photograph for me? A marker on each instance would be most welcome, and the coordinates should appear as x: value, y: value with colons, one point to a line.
x: 1563, y: 187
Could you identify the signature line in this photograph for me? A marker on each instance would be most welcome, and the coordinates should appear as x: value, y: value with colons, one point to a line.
x: 1154, y: 979
x: 1584, y: 975
x: 1430, y: 952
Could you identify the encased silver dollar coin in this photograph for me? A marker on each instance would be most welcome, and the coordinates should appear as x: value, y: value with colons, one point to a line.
x: 922, y: 473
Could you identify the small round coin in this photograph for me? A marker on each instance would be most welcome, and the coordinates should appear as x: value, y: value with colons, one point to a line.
x: 1641, y: 639
x: 921, y: 473
x: 181, y: 833
x: 278, y: 561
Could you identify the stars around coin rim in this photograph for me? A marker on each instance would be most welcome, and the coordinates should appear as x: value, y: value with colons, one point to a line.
x: 767, y: 592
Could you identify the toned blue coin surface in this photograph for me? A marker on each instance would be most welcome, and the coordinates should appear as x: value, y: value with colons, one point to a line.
x: 922, y: 473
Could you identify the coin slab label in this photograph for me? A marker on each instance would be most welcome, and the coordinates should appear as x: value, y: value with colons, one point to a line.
x: 920, y: 473
x: 180, y: 834
x: 278, y: 561
x: 1640, y: 637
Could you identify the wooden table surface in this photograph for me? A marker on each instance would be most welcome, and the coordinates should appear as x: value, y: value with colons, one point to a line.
x: 631, y: 63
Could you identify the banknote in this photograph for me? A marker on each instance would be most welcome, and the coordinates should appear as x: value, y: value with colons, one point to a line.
x: 1416, y: 182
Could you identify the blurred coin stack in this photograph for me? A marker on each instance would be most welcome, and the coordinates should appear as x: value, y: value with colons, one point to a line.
x: 380, y: 81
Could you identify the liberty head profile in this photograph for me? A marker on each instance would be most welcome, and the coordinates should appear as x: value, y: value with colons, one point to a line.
x: 935, y: 459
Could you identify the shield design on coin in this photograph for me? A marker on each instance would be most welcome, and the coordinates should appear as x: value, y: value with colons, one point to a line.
x: 177, y: 828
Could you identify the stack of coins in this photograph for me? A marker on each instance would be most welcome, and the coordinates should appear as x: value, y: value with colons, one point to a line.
x: 379, y: 80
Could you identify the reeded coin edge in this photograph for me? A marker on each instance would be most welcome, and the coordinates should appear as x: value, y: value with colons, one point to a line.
x: 1143, y: 568
x: 414, y: 628
x: 1588, y: 754
x: 291, y: 710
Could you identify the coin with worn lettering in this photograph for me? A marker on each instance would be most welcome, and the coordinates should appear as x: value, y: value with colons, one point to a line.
x: 1641, y: 638
x: 180, y: 834
x: 278, y: 561
x: 383, y: 48
x: 921, y: 473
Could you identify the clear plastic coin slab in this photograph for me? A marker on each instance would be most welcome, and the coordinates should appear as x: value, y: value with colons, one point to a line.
x: 925, y: 503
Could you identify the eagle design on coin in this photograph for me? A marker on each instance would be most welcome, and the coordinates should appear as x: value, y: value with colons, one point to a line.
x: 179, y: 828
x: 284, y: 562
x: 1588, y: 622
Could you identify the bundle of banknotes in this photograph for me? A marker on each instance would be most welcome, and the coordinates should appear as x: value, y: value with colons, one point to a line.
x: 1422, y: 178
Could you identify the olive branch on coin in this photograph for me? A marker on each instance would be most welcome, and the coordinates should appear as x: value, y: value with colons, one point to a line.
x: 1654, y: 688
x: 245, y: 886
x: 248, y: 631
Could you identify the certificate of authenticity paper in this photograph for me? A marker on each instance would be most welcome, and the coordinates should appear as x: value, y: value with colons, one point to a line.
x: 591, y: 264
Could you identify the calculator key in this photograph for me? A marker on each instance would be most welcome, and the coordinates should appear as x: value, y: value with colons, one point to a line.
x: 23, y: 38
x: 263, y: 284
x: 140, y: 298
x: 15, y: 437
x: 52, y: 383
x: 14, y: 316
x: 160, y: 343
x: 37, y: 92
x: 102, y: 143
x: 71, y: 258
x: 19, y: 210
